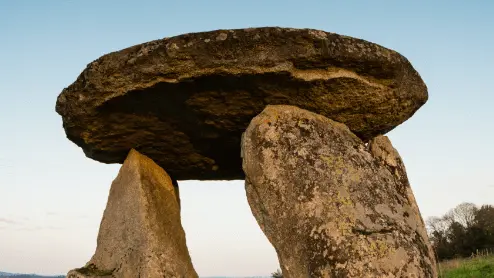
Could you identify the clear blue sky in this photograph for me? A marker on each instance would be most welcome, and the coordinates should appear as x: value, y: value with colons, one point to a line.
x: 52, y: 197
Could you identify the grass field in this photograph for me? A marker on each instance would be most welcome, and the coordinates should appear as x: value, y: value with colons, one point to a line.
x: 478, y: 267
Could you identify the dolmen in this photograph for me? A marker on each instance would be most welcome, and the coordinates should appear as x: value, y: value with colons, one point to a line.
x: 299, y: 114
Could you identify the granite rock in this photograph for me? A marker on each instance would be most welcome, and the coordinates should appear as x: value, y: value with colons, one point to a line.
x: 332, y: 205
x: 141, y: 234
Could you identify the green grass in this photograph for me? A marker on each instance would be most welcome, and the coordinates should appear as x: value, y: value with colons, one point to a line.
x: 478, y: 267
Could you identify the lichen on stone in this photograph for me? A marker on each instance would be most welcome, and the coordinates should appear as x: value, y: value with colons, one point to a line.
x: 345, y: 212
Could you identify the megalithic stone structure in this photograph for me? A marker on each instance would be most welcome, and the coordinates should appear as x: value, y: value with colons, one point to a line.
x: 329, y: 191
x: 331, y: 205
x: 141, y: 234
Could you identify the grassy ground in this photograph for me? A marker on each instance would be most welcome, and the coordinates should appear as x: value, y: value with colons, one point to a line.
x: 478, y: 267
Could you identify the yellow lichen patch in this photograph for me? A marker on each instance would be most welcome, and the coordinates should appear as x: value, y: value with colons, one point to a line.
x: 336, y: 163
x: 343, y: 198
x: 303, y: 125
x: 379, y: 248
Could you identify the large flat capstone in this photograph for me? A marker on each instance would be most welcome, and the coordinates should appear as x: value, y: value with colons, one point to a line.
x: 184, y: 101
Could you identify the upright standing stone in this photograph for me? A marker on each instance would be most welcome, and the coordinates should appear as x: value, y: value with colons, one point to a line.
x: 331, y: 205
x: 141, y: 234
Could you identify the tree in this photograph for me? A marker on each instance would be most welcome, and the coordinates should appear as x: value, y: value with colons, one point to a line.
x: 484, y: 225
x: 464, y: 214
x: 458, y: 240
x: 437, y: 224
x: 462, y: 231
x: 484, y: 218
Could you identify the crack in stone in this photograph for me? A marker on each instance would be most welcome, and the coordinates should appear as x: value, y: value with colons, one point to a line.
x: 367, y: 232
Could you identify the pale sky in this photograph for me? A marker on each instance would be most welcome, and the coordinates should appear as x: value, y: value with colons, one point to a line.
x: 52, y: 197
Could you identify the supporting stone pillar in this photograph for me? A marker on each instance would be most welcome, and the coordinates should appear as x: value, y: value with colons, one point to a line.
x: 141, y: 234
x: 331, y: 205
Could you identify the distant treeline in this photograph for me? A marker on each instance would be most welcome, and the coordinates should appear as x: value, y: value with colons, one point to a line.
x: 463, y: 231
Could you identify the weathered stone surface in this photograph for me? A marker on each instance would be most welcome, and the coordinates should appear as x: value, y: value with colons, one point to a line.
x: 185, y: 101
x: 141, y: 234
x: 330, y: 205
